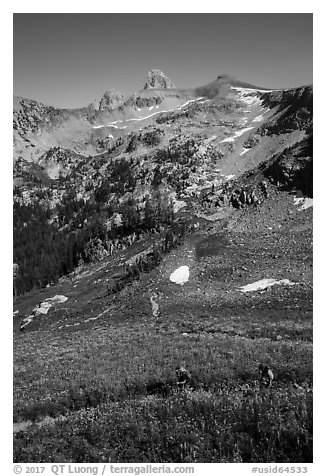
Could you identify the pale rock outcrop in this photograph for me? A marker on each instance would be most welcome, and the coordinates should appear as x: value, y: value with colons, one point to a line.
x: 156, y: 79
x: 111, y: 100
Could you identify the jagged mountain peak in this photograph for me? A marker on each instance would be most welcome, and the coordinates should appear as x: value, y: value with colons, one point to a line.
x: 156, y: 79
x: 111, y: 100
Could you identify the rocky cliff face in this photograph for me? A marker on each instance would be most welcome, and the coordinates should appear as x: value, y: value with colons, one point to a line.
x: 293, y: 167
x: 156, y: 79
x: 295, y: 108
x: 32, y: 116
x: 111, y: 100
x: 38, y: 127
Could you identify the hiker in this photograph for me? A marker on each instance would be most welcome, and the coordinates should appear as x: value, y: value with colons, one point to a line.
x: 223, y: 196
x: 254, y: 199
x: 266, y: 375
x: 264, y: 188
x: 243, y: 197
x: 183, y: 377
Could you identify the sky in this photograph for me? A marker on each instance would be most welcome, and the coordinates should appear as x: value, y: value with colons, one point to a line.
x: 68, y: 60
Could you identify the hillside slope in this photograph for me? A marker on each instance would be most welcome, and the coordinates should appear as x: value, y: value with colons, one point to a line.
x: 219, y: 183
x: 97, y: 357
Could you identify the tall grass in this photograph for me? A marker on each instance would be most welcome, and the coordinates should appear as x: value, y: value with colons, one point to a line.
x: 233, y: 425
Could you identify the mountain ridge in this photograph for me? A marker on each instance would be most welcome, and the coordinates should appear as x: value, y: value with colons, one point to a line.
x: 108, y: 206
x: 221, y: 79
x: 38, y: 126
x: 163, y: 140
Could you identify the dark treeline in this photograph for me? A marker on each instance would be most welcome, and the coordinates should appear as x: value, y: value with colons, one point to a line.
x: 50, y: 244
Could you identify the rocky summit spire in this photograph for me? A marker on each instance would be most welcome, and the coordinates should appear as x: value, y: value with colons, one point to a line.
x: 156, y: 79
x: 111, y: 100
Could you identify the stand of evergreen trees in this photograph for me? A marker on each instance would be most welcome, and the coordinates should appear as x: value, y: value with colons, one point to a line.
x: 46, y: 248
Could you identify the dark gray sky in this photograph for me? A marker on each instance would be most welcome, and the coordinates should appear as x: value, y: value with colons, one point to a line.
x: 68, y: 60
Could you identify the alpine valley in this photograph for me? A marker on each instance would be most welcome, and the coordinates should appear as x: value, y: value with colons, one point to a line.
x: 112, y: 201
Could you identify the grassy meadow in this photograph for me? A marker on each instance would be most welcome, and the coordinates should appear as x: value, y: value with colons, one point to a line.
x: 88, y: 390
x: 99, y: 379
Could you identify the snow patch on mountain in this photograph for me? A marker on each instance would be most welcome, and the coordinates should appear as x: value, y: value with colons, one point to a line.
x: 180, y: 275
x: 258, y: 119
x: 43, y: 308
x: 252, y: 90
x: 304, y: 202
x: 264, y: 284
x: 237, y: 134
x: 112, y: 124
x: 244, y: 151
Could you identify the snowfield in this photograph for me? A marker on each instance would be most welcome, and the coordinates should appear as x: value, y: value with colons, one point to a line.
x: 180, y: 275
x: 112, y: 124
x: 244, y: 150
x: 43, y: 308
x: 252, y: 90
x: 264, y: 284
x: 258, y: 119
x: 237, y: 134
x: 248, y: 96
x: 304, y: 203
